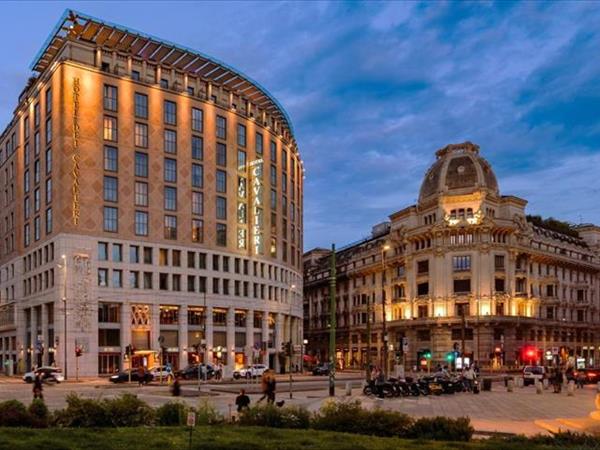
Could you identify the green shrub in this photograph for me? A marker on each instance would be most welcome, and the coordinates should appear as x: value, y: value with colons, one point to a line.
x: 38, y: 413
x: 81, y: 412
x: 207, y: 414
x: 275, y: 417
x: 380, y: 422
x: 442, y: 429
x: 129, y: 411
x: 340, y: 416
x: 14, y: 414
x: 172, y: 413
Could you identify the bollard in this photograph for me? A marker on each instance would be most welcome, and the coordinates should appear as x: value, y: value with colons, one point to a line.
x: 520, y: 382
x: 545, y: 383
x: 598, y: 387
x: 510, y: 385
x: 571, y: 388
x: 348, y: 389
x: 538, y: 387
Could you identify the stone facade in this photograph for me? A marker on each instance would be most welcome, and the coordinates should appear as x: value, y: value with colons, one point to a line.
x: 146, y: 200
x: 463, y: 271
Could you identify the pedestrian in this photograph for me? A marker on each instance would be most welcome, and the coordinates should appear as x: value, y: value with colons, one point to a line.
x: 379, y: 382
x: 264, y: 385
x: 219, y: 372
x: 271, y: 388
x: 580, y: 379
x: 38, y: 387
x: 558, y: 381
x: 469, y: 377
x: 242, y: 401
x: 176, y: 388
x: 141, y: 375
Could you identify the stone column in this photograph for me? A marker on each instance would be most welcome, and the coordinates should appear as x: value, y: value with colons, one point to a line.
x: 125, y: 332
x: 249, y: 336
x: 154, y: 328
x: 47, y: 344
x: 265, y: 337
x: 33, y: 344
x: 209, y: 333
x: 230, y: 342
x: 183, y: 336
x: 279, y: 334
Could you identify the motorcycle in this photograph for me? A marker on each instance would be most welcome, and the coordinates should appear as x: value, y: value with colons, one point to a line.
x: 371, y: 389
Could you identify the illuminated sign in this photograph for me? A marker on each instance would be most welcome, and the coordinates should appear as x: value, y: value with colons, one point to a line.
x: 75, y: 207
x: 256, y: 174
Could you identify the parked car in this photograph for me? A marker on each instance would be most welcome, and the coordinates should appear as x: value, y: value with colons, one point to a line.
x: 161, y: 371
x: 191, y: 372
x: 49, y: 374
x: 592, y: 375
x: 123, y: 377
x: 532, y: 373
x: 253, y: 371
x: 322, y: 369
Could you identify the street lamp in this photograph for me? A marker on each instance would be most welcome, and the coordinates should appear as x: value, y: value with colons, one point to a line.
x: 384, y: 248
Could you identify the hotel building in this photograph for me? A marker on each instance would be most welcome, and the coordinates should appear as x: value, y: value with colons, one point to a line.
x: 464, y: 271
x: 152, y: 198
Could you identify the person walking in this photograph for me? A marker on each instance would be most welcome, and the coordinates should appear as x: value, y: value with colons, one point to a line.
x: 176, y: 387
x: 469, y: 378
x: 141, y: 376
x: 38, y: 387
x: 580, y: 379
x: 242, y: 401
x: 264, y: 385
x: 271, y: 388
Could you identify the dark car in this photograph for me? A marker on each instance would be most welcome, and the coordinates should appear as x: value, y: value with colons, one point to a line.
x: 191, y: 372
x: 322, y: 369
x: 590, y: 375
x: 123, y: 377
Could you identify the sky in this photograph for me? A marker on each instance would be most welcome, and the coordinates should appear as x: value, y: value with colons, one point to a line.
x: 374, y: 89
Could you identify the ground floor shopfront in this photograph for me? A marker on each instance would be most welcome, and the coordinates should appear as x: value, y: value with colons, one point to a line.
x: 491, y: 343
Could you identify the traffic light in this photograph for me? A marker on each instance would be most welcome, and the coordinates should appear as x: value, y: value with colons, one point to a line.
x: 427, y: 354
x: 450, y: 357
x: 78, y: 351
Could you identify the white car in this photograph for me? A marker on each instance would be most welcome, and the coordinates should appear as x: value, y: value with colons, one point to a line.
x: 533, y: 373
x: 253, y: 371
x: 158, y: 371
x: 47, y: 373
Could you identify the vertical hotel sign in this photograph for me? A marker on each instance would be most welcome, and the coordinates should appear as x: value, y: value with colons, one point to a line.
x: 75, y: 207
x: 256, y: 180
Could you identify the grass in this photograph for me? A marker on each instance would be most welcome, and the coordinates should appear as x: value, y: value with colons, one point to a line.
x: 224, y: 438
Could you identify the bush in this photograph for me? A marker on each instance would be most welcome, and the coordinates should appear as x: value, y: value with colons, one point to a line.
x: 14, y: 414
x: 442, y: 429
x: 275, y: 417
x: 82, y: 412
x: 340, y: 416
x: 38, y: 413
x: 129, y: 411
x: 207, y: 414
x: 380, y: 422
x: 172, y: 413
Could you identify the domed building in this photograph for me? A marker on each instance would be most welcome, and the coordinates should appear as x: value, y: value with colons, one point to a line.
x: 464, y: 273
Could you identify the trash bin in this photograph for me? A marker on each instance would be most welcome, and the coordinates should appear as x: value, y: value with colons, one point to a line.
x: 487, y: 384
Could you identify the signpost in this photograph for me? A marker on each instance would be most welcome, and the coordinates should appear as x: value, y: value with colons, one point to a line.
x: 191, y: 423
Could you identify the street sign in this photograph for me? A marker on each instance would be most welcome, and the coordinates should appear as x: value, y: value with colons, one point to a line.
x: 405, y: 344
x: 555, y: 350
x: 297, y: 348
x: 191, y: 419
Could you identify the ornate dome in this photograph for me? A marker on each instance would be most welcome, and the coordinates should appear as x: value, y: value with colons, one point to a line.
x: 458, y: 170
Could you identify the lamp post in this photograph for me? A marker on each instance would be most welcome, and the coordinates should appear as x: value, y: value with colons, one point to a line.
x: 64, y: 299
x: 332, y: 323
x: 304, y: 344
x: 384, y: 366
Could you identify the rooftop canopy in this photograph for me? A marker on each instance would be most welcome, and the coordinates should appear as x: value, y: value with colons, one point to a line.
x: 77, y: 26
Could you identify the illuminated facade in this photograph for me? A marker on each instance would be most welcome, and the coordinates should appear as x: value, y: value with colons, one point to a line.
x: 155, y: 192
x: 465, y: 266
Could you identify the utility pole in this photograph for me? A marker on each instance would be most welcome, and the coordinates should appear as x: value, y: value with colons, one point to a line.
x: 384, y: 366
x: 332, y: 323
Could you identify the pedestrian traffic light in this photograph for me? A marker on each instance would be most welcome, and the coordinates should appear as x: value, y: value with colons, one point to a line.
x: 78, y: 351
x: 450, y: 357
x: 427, y: 354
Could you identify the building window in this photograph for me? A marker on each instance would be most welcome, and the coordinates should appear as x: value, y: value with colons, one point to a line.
x: 141, y: 224
x: 170, y: 227
x: 141, y: 105
x: 241, y: 163
x: 117, y: 253
x: 499, y: 262
x: 48, y: 131
x: 273, y: 176
x: 259, y: 144
x: 221, y: 154
x: 197, y: 176
x: 197, y: 148
x: 423, y: 267
x: 109, y: 313
x: 102, y: 277
x: 111, y: 189
x: 134, y: 254
x: 221, y: 127
x: 197, y: 203
x: 273, y: 199
x: 49, y: 221
x: 499, y: 284
x: 170, y: 141
x: 197, y: 120
x: 141, y: 135
x: 102, y: 251
x: 134, y: 279
x: 48, y: 101
x: 170, y: 198
x: 141, y: 165
x: 170, y: 170
x: 36, y: 171
x: 117, y: 278
x: 111, y: 219
x: 462, y: 286
x: 461, y: 263
x: 221, y: 234
x: 197, y: 230
x: 170, y: 113
x: 141, y: 193
x: 221, y: 208
x: 110, y: 98
x: 147, y: 280
x: 110, y: 129
x: 164, y: 83
x: 36, y: 228
x: 221, y: 181
x: 241, y: 135
x: 273, y: 151
x: 26, y: 235
x: 111, y: 163
x: 26, y: 181
x: 423, y: 288
x: 135, y: 75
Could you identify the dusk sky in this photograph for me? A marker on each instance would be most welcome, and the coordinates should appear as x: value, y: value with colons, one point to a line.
x: 373, y: 89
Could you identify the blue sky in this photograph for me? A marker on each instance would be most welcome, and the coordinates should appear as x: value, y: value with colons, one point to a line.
x: 375, y: 88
